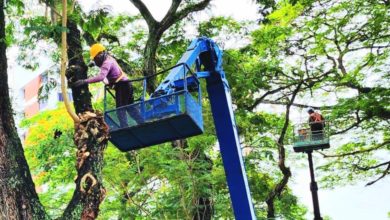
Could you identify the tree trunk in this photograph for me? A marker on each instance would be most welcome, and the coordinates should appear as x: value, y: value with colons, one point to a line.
x: 149, y: 67
x: 18, y: 198
x: 204, y: 210
x: 282, y: 184
x: 91, y: 136
x: 270, y: 208
x: 77, y: 69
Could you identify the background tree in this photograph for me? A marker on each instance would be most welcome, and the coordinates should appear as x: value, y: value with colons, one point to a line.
x: 316, y: 44
x: 18, y: 199
x: 356, y: 47
x: 342, y: 49
x: 157, y: 28
x: 89, y: 191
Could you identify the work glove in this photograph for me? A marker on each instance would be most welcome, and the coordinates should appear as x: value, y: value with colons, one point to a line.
x: 78, y: 83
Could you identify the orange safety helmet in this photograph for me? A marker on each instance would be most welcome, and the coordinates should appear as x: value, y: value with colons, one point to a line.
x: 96, y: 49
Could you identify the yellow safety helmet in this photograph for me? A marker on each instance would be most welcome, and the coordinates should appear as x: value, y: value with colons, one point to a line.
x: 96, y: 49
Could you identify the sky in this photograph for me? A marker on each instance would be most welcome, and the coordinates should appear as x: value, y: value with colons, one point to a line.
x: 239, y: 10
x: 343, y: 203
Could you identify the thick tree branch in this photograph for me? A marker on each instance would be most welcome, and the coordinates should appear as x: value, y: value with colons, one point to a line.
x: 157, y: 29
x: 18, y: 198
x: 193, y: 8
x: 363, y: 89
x: 269, y: 92
x: 145, y: 13
x: 190, y: 9
x: 356, y: 152
x: 384, y: 173
x: 357, y: 123
x: 372, y: 167
x: 273, y: 102
x: 368, y: 47
x: 278, y: 189
x: 168, y: 19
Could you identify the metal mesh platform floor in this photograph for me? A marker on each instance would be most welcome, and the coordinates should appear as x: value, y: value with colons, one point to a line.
x: 302, y: 146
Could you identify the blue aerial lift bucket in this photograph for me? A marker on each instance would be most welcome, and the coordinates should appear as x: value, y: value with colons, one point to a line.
x: 157, y: 120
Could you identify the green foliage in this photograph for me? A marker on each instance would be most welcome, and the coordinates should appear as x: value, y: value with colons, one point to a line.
x: 339, y: 50
x: 217, y: 25
x: 40, y: 28
x: 171, y: 48
x: 9, y: 36
x: 14, y: 7
x: 285, y: 14
x: 51, y: 158
x: 13, y: 10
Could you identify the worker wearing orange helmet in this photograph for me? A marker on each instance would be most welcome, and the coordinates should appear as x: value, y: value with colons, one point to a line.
x: 111, y: 71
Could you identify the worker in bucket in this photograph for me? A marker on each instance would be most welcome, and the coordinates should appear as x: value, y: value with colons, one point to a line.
x: 317, y: 124
x: 111, y: 73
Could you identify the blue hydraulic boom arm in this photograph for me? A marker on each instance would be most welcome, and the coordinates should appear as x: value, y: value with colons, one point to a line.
x: 206, y: 56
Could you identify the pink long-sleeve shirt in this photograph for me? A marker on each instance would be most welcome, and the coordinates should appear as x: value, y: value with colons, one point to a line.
x: 110, y: 70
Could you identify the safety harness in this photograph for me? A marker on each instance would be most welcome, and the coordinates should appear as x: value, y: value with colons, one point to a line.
x: 112, y: 85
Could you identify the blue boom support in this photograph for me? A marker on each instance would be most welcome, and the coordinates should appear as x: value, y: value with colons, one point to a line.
x: 204, y: 52
x: 173, y: 113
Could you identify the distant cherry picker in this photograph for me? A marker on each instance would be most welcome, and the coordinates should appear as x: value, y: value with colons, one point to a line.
x: 310, y: 136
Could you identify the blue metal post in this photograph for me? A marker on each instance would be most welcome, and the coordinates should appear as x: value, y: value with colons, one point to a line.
x: 143, y: 89
x: 204, y: 52
x: 220, y: 100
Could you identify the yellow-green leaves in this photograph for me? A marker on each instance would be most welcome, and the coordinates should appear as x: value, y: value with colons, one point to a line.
x: 285, y: 14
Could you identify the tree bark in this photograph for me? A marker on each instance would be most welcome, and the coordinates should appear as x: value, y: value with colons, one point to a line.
x: 18, y: 199
x: 204, y: 210
x: 91, y: 137
x: 149, y: 66
x: 77, y: 69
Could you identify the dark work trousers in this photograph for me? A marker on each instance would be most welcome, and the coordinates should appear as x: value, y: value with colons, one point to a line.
x: 124, y: 96
x: 317, y: 131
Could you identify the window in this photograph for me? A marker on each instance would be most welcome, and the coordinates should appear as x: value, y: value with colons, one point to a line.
x: 43, y: 104
x: 61, y: 99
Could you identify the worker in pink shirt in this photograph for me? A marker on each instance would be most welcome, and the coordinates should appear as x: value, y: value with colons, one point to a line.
x: 117, y: 79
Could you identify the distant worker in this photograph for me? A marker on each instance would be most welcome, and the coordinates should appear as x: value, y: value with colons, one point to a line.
x: 111, y: 73
x: 317, y: 124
